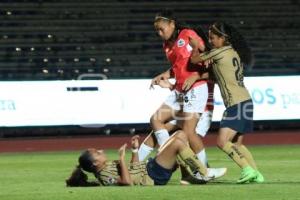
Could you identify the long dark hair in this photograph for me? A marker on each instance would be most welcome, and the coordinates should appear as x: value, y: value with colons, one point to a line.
x: 236, y: 39
x: 168, y: 15
x: 78, y: 177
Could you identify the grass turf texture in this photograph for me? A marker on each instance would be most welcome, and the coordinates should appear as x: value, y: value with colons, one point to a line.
x: 41, y: 176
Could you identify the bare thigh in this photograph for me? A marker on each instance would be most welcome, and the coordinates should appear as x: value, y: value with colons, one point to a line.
x: 189, y: 128
x: 166, y: 157
x: 164, y: 114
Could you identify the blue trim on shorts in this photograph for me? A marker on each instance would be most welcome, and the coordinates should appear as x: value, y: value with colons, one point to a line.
x: 159, y: 174
x: 239, y: 117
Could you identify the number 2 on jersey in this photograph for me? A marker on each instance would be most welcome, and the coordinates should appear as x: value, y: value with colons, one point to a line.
x: 238, y: 75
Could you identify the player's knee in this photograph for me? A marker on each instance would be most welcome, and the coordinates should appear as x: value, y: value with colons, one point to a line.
x: 178, y: 141
x: 181, y: 135
x: 221, y: 142
x: 154, y: 121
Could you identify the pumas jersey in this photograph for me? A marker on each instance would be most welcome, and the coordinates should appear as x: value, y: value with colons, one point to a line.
x: 138, y: 172
x: 228, y: 71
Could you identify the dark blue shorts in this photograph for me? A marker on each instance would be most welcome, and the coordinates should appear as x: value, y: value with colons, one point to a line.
x: 159, y: 175
x: 239, y: 117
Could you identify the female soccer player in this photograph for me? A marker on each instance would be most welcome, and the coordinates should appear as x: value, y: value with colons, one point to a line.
x: 203, y: 125
x: 157, y: 171
x: 190, y: 94
x: 230, y: 51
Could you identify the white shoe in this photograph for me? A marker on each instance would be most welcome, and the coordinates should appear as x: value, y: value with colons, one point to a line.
x: 212, y: 173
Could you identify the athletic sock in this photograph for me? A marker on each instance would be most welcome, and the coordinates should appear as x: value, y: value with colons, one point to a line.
x: 247, y: 154
x: 188, y: 159
x: 232, y: 151
x: 162, y: 136
x: 202, y: 157
x: 144, y: 151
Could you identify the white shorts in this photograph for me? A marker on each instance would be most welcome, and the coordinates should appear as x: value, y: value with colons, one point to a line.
x: 203, y: 123
x: 194, y: 101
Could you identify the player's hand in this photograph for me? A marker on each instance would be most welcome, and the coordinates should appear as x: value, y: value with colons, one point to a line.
x: 163, y: 76
x: 165, y: 83
x: 208, y: 63
x: 122, y: 151
x: 135, y: 142
x: 189, y: 82
x: 155, y: 81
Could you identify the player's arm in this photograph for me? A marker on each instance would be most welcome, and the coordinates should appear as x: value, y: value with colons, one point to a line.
x: 196, y: 56
x: 125, y: 178
x: 134, y: 148
x: 163, y: 76
x: 166, y: 84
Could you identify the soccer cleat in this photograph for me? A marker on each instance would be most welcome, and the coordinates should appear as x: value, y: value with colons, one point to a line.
x: 212, y: 173
x: 248, y: 174
x: 189, y: 179
x: 258, y: 179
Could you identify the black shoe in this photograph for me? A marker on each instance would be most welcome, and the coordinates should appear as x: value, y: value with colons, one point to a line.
x: 189, y: 179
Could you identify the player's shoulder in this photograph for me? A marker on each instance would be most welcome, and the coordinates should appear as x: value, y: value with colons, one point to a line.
x: 187, y: 32
x: 222, y: 50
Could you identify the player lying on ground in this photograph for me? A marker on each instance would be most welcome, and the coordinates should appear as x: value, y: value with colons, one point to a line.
x: 156, y: 171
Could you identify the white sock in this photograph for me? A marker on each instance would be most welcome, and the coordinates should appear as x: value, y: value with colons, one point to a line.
x: 162, y: 136
x: 144, y: 151
x: 202, y: 157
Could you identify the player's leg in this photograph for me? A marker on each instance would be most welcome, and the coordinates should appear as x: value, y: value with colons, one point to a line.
x: 161, y: 168
x: 196, y: 144
x: 150, y: 142
x: 167, y: 155
x: 238, y: 141
x: 202, y: 129
x: 165, y: 113
x: 176, y: 149
x: 248, y: 155
x: 236, y: 119
x: 225, y: 136
x: 194, y: 104
x: 147, y: 146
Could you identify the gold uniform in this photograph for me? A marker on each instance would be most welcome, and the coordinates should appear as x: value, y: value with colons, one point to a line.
x: 228, y: 72
x: 138, y: 173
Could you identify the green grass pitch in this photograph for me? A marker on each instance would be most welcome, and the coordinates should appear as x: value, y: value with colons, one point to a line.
x: 40, y: 176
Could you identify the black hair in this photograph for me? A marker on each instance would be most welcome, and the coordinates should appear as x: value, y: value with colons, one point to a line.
x: 86, y: 161
x: 78, y: 177
x: 168, y: 15
x: 236, y: 39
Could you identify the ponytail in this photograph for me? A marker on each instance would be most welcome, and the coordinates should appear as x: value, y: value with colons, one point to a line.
x: 79, y: 179
x: 203, y: 35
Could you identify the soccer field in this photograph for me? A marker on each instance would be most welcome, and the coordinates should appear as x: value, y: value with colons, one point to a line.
x: 41, y: 176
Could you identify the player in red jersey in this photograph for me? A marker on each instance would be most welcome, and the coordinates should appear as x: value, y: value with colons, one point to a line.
x: 190, y: 94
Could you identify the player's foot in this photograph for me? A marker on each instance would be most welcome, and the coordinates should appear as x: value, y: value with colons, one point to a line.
x: 248, y: 174
x: 212, y: 173
x: 189, y: 179
x: 259, y: 178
